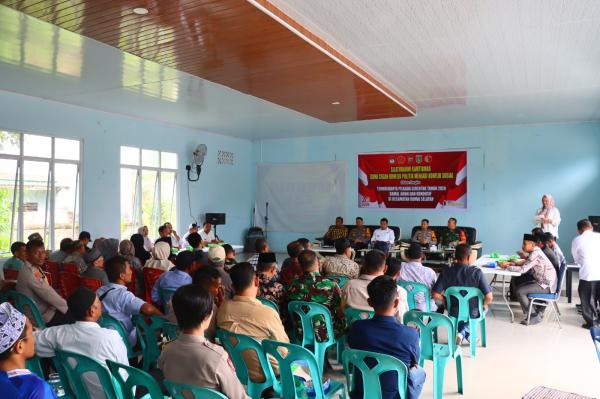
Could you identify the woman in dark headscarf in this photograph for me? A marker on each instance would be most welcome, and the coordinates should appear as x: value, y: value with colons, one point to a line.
x: 127, y: 250
x: 140, y: 252
x: 109, y: 248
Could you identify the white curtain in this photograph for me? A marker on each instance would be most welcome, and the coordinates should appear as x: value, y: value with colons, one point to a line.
x: 302, y: 197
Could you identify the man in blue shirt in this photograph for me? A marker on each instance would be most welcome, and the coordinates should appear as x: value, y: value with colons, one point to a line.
x: 463, y: 275
x: 384, y: 334
x: 185, y: 266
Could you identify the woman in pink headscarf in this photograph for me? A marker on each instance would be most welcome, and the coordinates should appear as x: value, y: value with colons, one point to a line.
x: 548, y: 216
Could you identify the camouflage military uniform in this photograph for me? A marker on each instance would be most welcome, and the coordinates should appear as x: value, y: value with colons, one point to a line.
x: 449, y: 236
x: 270, y: 289
x: 312, y: 287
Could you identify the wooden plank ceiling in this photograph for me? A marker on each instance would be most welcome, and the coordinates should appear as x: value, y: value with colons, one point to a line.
x: 233, y: 43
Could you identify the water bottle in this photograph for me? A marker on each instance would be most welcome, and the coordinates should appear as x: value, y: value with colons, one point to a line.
x: 56, y: 385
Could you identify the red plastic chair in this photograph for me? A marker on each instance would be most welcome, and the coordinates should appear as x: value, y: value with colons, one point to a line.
x: 150, y: 277
x: 68, y: 283
x: 91, y: 283
x: 10, y: 274
x: 53, y: 270
x: 131, y: 286
x: 70, y: 268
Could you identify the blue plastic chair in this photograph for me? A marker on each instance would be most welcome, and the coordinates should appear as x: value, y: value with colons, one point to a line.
x: 340, y: 280
x: 551, y: 298
x: 269, y: 303
x: 370, y: 374
x: 307, y: 311
x: 464, y: 313
x: 595, y: 332
x: 414, y: 289
x: 236, y: 345
x: 135, y: 378
x: 296, y: 353
x: 428, y: 323
x: 177, y: 391
x: 107, y: 321
x: 76, y: 365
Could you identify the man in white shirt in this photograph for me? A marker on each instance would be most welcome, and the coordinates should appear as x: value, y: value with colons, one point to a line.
x: 383, y: 233
x: 586, y: 253
x: 173, y: 234
x: 193, y: 228
x: 207, y: 234
x: 85, y: 337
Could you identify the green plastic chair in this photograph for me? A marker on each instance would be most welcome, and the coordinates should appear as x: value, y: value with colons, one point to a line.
x: 370, y: 375
x: 236, y: 344
x: 351, y: 316
x: 107, y: 321
x: 27, y: 306
x: 340, y: 280
x: 165, y: 296
x: 428, y: 323
x: 84, y: 364
x: 170, y: 330
x: 307, y: 311
x: 296, y: 353
x: 33, y: 364
x: 147, y: 337
x: 177, y: 391
x: 64, y: 379
x: 269, y: 303
x: 135, y: 378
x: 412, y: 289
x: 465, y: 315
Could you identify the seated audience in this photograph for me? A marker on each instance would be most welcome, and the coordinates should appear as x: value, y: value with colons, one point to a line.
x: 196, y: 243
x: 453, y: 236
x: 413, y: 270
x: 193, y: 307
x: 160, y: 259
x: 312, y: 287
x: 143, y: 231
x: 385, y: 334
x: 360, y: 235
x: 585, y: 249
x: 98, y: 242
x: 306, y: 244
x: 32, y: 282
x: 85, y: 336
x: 16, y: 346
x: 140, y: 251
x: 260, y: 245
x: 384, y: 234
x: 229, y: 256
x: 542, y: 273
x: 95, y: 266
x: 163, y: 236
x: 180, y: 275
x: 424, y: 236
x: 127, y: 250
x: 209, y: 279
x: 341, y: 264
x: 338, y: 230
x: 172, y: 234
x: 64, y: 250
x: 384, y: 248
x: 193, y: 228
x: 109, y: 248
x: 462, y: 274
x: 543, y: 244
x: 36, y: 236
x: 291, y: 270
x: 216, y: 259
x: 118, y: 301
x: 85, y: 238
x: 18, y: 250
x: 244, y: 314
x: 269, y: 286
x: 208, y: 235
x: 553, y: 245
x: 393, y: 269
x: 76, y: 256
x: 355, y: 294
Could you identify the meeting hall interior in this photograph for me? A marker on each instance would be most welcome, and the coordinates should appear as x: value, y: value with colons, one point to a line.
x: 299, y: 199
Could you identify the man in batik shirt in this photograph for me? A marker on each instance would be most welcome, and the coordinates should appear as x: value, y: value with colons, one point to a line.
x: 266, y: 270
x: 312, y: 287
x: 338, y: 230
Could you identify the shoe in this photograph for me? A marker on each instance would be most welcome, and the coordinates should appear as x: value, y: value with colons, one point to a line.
x: 535, y: 320
x: 586, y: 326
x: 459, y: 339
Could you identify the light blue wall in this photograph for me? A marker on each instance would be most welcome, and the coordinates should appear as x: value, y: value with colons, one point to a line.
x: 221, y: 188
x: 508, y: 170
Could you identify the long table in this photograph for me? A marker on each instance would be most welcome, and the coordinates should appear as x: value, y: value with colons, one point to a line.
x: 498, y: 271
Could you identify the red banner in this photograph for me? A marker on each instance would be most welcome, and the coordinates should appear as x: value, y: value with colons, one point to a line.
x: 434, y: 180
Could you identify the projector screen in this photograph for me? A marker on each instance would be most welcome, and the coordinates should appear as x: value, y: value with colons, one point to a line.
x: 302, y: 197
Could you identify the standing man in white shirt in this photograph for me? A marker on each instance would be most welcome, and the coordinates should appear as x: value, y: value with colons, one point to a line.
x: 383, y: 233
x: 85, y: 337
x: 207, y: 234
x: 586, y: 253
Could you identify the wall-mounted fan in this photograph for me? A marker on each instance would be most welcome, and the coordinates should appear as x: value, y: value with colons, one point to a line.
x: 197, y: 161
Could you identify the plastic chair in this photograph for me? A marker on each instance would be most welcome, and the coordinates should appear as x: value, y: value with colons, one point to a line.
x: 370, y: 374
x: 170, y: 330
x: 413, y: 289
x: 177, y: 390
x: 27, y: 306
x: 269, y: 303
x: 131, y: 287
x: 150, y: 277
x: 296, y: 353
x: 464, y: 313
x: 107, y: 321
x: 428, y: 323
x: 547, y: 299
x: 83, y: 364
x: 91, y: 283
x: 165, y: 295
x: 33, y: 364
x: 11, y: 274
x: 53, y: 269
x: 595, y: 332
x: 69, y: 282
x: 351, y: 316
x: 340, y: 280
x: 307, y: 311
x: 147, y: 337
x: 135, y: 378
x: 236, y: 344
x: 70, y: 268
